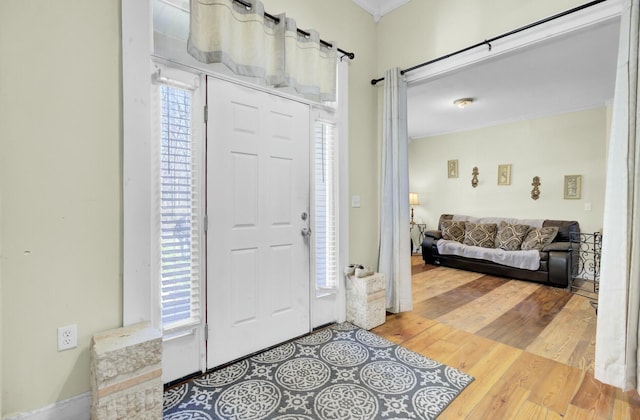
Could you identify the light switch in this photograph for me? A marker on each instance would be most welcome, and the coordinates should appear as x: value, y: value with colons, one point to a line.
x: 355, y: 201
x: 587, y: 206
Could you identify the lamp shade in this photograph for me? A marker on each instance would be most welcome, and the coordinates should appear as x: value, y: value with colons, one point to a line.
x: 413, y: 199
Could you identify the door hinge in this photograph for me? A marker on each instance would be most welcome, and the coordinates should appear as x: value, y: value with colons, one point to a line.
x: 206, y: 332
x: 206, y: 113
x: 206, y: 223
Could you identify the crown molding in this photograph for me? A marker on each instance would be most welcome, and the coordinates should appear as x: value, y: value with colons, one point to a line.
x: 378, y: 8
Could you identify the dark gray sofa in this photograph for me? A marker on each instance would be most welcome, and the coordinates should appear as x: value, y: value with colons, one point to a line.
x: 557, y: 260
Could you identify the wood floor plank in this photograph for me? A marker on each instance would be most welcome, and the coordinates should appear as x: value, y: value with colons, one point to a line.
x: 503, y: 401
x: 626, y: 405
x: 440, y: 348
x: 400, y: 327
x: 584, y: 355
x: 427, y: 337
x: 439, y: 280
x: 482, y: 311
x: 487, y: 373
x: 577, y: 413
x: 418, y: 266
x: 594, y: 396
x: 528, y: 370
x: 470, y: 350
x: 531, y: 411
x: 443, y: 303
x: 522, y: 324
x: 565, y: 333
x: 557, y: 388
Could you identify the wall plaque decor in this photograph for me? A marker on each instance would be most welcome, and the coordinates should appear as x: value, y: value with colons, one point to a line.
x: 572, y: 187
x: 504, y: 174
x: 535, y: 192
x: 474, y: 180
x: 452, y: 168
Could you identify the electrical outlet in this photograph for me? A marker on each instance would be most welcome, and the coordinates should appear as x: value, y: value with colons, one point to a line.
x: 67, y: 337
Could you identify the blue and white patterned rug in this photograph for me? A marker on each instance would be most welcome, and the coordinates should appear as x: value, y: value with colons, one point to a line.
x: 341, y: 372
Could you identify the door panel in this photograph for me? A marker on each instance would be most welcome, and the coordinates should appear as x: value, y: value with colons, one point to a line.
x: 257, y: 188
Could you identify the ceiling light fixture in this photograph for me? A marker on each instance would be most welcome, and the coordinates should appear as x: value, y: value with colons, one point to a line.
x: 463, y: 102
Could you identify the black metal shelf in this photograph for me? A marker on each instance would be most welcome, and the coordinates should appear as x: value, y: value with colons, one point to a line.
x: 585, y: 277
x: 420, y: 228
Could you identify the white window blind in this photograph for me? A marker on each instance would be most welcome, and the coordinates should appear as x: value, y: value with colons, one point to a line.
x: 325, y: 232
x: 179, y: 200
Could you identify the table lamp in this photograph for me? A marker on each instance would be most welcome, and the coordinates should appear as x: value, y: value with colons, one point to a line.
x: 413, y: 201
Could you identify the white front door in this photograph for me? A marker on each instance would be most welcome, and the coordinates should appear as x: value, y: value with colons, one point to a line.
x: 258, y: 280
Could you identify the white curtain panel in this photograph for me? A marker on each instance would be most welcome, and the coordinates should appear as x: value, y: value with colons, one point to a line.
x: 224, y: 31
x: 616, y: 361
x: 310, y: 68
x: 395, y: 243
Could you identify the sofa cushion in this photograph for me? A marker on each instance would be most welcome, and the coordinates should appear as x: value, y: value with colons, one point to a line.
x: 477, y: 234
x: 565, y: 229
x: 509, y: 236
x: 558, y: 246
x: 538, y: 238
x: 435, y: 234
x: 452, y: 231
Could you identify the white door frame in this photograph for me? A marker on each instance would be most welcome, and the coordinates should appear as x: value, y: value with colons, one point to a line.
x: 140, y: 293
x: 183, y: 345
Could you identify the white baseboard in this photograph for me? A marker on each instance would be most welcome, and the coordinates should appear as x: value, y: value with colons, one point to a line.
x: 74, y: 408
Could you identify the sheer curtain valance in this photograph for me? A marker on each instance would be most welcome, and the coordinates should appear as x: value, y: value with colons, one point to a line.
x: 250, y: 44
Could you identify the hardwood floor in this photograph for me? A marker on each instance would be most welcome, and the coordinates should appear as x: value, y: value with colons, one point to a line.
x: 530, y: 347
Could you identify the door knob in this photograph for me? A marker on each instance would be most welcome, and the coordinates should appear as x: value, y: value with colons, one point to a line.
x: 306, y: 232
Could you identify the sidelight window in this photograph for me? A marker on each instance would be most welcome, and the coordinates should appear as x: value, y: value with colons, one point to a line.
x: 326, y: 209
x: 178, y: 209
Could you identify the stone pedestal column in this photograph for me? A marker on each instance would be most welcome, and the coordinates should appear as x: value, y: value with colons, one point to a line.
x: 126, y: 373
x: 366, y: 300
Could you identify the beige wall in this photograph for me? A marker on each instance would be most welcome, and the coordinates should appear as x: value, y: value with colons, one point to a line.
x: 61, y: 190
x: 569, y: 144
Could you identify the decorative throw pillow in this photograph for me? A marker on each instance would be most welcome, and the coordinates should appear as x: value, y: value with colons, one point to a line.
x: 483, y: 235
x: 452, y: 231
x: 538, y: 238
x: 509, y: 237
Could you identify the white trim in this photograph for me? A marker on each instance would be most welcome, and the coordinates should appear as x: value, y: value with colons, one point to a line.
x: 74, y: 408
x: 599, y: 13
x: 137, y: 287
x: 379, y: 8
x: 229, y: 78
x: 330, y: 305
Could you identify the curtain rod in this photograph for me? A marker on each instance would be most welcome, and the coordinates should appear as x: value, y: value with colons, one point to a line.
x: 490, y: 40
x: 276, y: 19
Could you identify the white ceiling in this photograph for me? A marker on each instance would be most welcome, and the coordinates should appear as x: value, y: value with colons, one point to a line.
x: 564, y: 74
